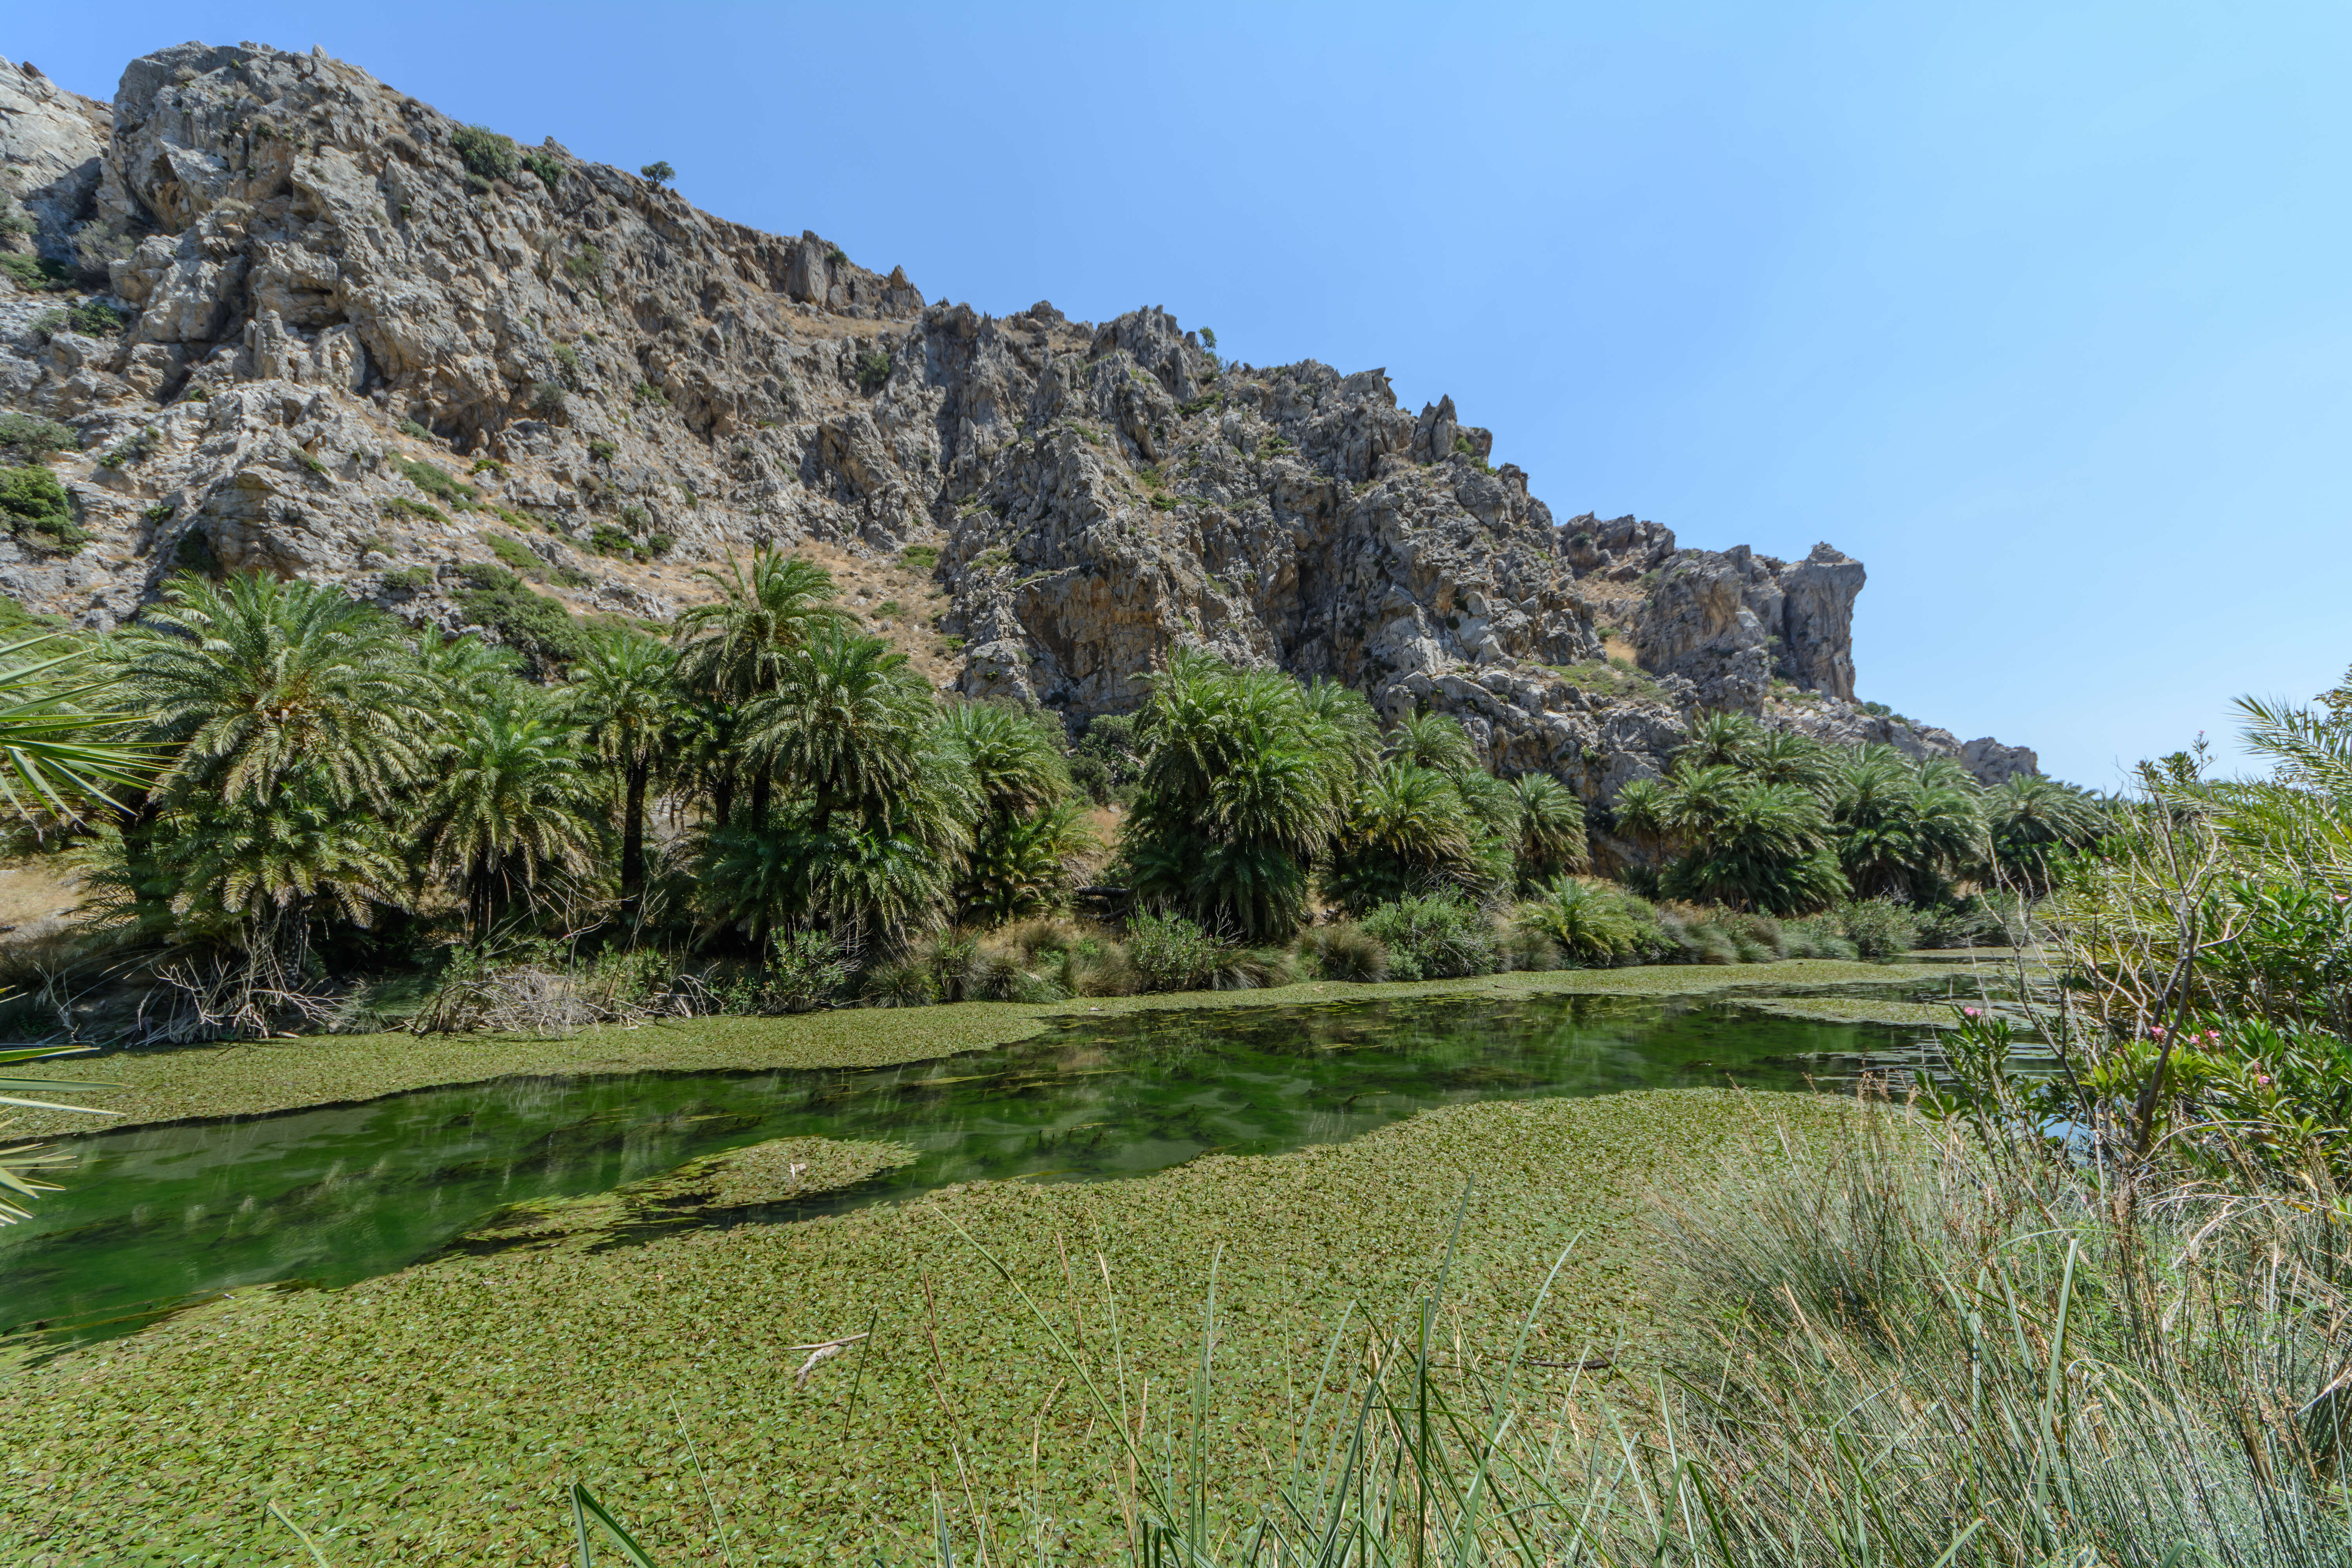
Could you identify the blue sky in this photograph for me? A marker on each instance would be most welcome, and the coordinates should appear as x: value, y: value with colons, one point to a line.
x: 2043, y: 311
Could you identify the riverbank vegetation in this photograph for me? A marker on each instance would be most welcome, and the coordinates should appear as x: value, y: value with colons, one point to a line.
x: 350, y: 826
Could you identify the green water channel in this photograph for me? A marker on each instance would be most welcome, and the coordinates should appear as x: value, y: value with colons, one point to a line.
x: 153, y: 1219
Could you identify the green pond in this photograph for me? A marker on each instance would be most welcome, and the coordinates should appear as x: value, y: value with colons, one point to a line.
x: 154, y: 1218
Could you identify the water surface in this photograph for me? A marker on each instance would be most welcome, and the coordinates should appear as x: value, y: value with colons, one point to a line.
x: 155, y: 1218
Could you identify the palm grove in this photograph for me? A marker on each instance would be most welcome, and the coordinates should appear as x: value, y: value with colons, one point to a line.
x: 774, y: 801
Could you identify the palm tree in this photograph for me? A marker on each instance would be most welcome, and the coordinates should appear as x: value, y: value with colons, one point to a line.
x: 1243, y: 783
x: 265, y: 871
x: 1783, y: 756
x: 512, y: 807
x: 1550, y: 828
x: 1435, y: 741
x: 2033, y: 822
x: 1030, y: 831
x: 734, y: 647
x: 252, y: 681
x: 1904, y: 828
x: 1716, y: 739
x: 50, y: 765
x: 1408, y: 831
x: 846, y: 726
x: 1748, y: 844
x: 624, y: 689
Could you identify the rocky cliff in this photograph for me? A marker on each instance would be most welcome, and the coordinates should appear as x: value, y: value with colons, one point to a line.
x: 361, y: 342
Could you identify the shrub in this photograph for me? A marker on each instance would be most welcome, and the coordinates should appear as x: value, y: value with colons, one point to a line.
x: 807, y: 972
x: 547, y: 400
x: 660, y: 543
x: 658, y: 171
x: 1879, y: 928
x: 36, y: 275
x: 873, y: 370
x: 534, y: 625
x: 31, y: 438
x: 601, y: 450
x: 586, y: 263
x: 647, y: 391
x: 92, y: 319
x: 921, y: 557
x: 516, y: 555
x: 36, y: 504
x: 1344, y: 951
x: 904, y: 983
x: 1432, y: 936
x: 408, y: 579
x: 484, y: 151
x: 412, y: 429
x: 1172, y: 953
x: 550, y: 173
x: 606, y: 540
x: 402, y: 506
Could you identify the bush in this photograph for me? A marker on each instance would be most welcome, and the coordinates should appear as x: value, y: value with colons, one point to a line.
x: 550, y: 173
x: 35, y: 503
x: 547, y: 400
x: 408, y: 579
x: 605, y: 539
x: 658, y: 171
x: 92, y: 319
x: 1172, y: 953
x: 1879, y: 928
x: 484, y: 151
x: 921, y: 557
x: 534, y: 625
x: 904, y: 982
x: 1343, y: 951
x: 602, y: 451
x: 807, y: 972
x: 36, y: 275
x: 873, y: 371
x: 586, y: 263
x: 415, y: 432
x: 31, y: 438
x: 1432, y: 936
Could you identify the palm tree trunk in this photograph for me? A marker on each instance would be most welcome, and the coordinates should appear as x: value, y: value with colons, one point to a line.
x: 762, y: 787
x: 722, y: 796
x: 632, y: 834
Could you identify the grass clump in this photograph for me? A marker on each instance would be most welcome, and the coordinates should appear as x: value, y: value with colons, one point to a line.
x: 439, y: 483
x: 35, y: 274
x: 921, y: 557
x: 1432, y: 936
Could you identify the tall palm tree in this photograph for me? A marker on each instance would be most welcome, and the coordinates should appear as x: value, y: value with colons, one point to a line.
x: 1029, y: 831
x: 1747, y: 843
x: 625, y: 689
x: 251, y: 681
x: 1408, y: 831
x: 733, y: 650
x: 1550, y: 829
x: 513, y: 805
x: 1242, y: 785
x: 2031, y: 822
x: 1904, y: 827
x: 1015, y: 763
x: 734, y: 647
x: 1716, y: 739
x: 846, y: 726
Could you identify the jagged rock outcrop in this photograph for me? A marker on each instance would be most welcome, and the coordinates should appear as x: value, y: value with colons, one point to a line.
x: 1730, y: 621
x: 365, y: 343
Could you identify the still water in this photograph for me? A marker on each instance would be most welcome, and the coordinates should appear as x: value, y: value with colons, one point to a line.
x: 154, y: 1218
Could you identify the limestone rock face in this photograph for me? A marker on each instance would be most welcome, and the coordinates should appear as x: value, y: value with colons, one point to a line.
x: 52, y: 143
x: 367, y: 344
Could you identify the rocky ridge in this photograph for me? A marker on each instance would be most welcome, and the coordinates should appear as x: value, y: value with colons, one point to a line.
x: 362, y: 342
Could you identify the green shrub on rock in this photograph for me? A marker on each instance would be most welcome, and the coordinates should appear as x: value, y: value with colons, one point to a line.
x: 484, y: 151
x: 35, y: 503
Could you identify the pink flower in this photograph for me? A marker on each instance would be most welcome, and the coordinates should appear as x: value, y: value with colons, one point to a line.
x: 1968, y: 1012
x: 2155, y: 1031
x: 2214, y: 1035
x: 2263, y: 1078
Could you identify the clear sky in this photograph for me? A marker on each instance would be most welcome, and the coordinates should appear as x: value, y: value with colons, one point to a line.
x: 2042, y: 310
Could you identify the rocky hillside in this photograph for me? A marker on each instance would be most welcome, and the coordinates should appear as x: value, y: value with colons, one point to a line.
x: 298, y: 321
